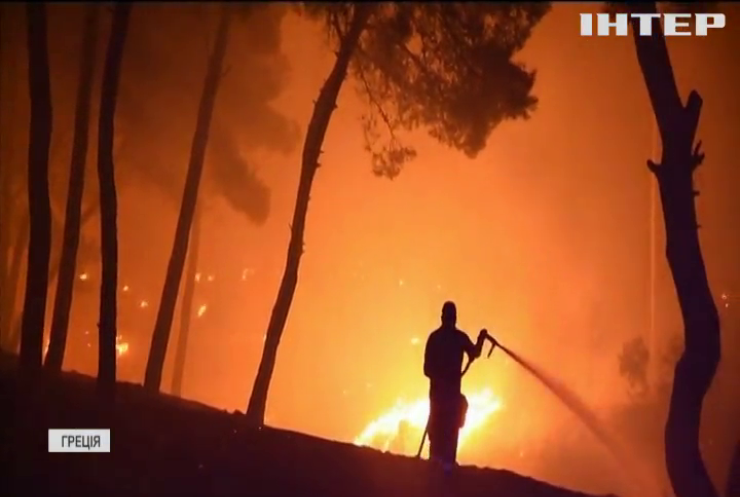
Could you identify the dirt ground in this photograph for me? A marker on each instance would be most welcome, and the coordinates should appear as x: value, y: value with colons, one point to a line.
x: 165, y: 446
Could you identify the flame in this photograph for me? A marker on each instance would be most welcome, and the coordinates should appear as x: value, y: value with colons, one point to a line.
x: 384, y: 430
x: 202, y: 310
x: 83, y: 277
x: 143, y: 304
x: 121, y: 346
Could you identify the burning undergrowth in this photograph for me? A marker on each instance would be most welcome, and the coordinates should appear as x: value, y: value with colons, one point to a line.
x: 400, y: 429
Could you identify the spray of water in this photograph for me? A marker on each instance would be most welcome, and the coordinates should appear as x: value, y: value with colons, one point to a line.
x: 644, y: 483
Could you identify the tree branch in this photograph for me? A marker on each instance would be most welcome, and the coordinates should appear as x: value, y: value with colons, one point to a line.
x: 371, y: 97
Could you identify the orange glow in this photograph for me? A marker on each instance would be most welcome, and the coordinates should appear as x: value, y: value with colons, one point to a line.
x: 121, y: 346
x: 382, y: 432
x: 202, y: 310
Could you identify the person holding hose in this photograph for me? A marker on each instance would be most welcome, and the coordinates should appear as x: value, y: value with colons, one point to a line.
x: 443, y: 360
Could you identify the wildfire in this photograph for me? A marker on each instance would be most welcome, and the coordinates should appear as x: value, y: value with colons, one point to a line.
x: 384, y: 432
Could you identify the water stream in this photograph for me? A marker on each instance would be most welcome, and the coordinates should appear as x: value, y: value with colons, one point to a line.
x: 642, y: 481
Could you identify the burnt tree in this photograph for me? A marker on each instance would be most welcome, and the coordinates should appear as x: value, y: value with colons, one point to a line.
x: 698, y: 363
x: 323, y: 109
x: 39, y: 205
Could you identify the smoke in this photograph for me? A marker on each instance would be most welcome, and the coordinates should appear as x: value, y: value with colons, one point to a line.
x: 233, y: 178
x: 165, y: 59
x: 164, y: 68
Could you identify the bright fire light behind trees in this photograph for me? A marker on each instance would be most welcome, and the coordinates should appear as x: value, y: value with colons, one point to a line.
x: 383, y: 432
x: 121, y: 346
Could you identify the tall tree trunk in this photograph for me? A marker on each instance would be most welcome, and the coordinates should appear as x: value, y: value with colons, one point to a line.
x: 313, y: 142
x: 186, y: 306
x: 698, y: 363
x: 39, y: 251
x: 163, y: 324
x: 73, y: 215
x: 108, y: 199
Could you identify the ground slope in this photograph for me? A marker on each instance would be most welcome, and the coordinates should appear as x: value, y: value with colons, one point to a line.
x: 164, y: 446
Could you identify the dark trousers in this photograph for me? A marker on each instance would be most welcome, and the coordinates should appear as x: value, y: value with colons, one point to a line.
x: 444, y: 427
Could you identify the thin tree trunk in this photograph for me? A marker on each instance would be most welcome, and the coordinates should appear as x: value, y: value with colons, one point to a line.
x: 108, y: 200
x: 73, y: 215
x: 165, y: 315
x: 37, y: 274
x: 314, y: 140
x: 698, y: 363
x: 186, y: 306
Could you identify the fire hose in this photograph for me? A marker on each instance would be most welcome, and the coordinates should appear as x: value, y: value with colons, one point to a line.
x: 486, y: 336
